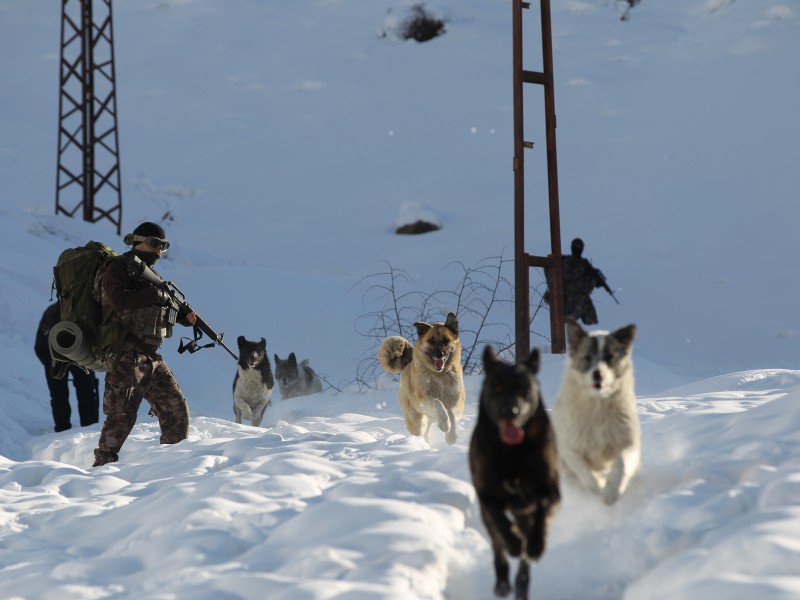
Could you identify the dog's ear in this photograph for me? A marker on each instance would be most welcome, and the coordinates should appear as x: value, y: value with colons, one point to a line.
x: 263, y: 343
x: 422, y: 328
x: 533, y: 361
x: 625, y: 335
x: 292, y: 360
x: 277, y: 360
x: 490, y: 359
x: 452, y: 323
x: 240, y: 340
x: 575, y: 333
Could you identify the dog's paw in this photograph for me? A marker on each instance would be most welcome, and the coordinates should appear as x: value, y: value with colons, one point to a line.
x: 535, y: 548
x: 502, y: 588
x: 451, y: 436
x: 592, y: 482
x: 515, y: 542
x: 610, y: 495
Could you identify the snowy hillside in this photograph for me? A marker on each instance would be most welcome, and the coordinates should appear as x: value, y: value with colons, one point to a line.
x: 287, y: 140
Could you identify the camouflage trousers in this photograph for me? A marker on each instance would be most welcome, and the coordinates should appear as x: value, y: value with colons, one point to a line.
x: 577, y: 306
x: 135, y: 377
x: 580, y: 307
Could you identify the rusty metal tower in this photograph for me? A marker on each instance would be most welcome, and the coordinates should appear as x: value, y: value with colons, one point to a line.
x: 523, y: 261
x: 88, y: 175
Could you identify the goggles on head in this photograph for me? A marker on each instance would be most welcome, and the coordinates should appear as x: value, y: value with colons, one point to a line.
x: 151, y: 241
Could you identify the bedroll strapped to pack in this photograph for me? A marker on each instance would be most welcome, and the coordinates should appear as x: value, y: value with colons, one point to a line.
x: 81, y: 337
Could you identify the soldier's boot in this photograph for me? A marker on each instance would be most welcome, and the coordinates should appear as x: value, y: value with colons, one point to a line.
x: 102, y: 457
x: 114, y: 433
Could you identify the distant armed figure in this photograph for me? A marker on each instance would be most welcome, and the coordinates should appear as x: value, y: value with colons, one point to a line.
x: 580, y: 279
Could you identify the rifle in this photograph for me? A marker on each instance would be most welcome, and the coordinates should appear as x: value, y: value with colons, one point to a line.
x: 178, y: 302
x: 604, y: 284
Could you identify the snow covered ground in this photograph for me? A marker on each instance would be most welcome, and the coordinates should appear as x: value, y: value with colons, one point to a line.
x: 287, y: 140
x: 334, y: 500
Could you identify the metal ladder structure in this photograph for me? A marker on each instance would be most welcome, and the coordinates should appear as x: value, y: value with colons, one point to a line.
x: 88, y: 174
x: 523, y: 262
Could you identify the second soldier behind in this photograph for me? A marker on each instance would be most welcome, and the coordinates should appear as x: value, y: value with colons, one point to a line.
x: 580, y: 279
x: 85, y: 382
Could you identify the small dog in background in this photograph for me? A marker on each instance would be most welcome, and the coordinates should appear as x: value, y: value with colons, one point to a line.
x: 252, y: 386
x: 595, y: 416
x: 513, y: 462
x: 432, y: 378
x: 296, y: 380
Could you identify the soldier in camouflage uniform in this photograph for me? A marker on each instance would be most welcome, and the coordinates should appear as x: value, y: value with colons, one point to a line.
x: 580, y: 279
x: 139, y: 372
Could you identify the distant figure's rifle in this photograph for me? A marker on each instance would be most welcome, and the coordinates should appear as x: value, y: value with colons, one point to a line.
x: 177, y: 300
x: 604, y: 284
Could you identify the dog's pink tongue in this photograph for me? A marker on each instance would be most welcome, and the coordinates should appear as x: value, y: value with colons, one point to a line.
x: 510, y: 433
x: 438, y: 363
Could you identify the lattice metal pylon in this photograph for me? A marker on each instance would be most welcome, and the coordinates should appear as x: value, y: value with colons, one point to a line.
x: 88, y: 174
x: 523, y: 261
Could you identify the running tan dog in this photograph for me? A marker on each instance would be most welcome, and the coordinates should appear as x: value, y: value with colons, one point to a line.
x: 432, y: 380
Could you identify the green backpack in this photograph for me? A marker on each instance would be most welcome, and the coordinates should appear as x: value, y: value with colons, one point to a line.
x: 73, y: 279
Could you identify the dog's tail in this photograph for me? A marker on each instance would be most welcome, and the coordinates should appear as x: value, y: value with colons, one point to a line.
x: 395, y: 353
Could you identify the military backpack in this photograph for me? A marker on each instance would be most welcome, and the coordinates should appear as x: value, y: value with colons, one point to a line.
x: 81, y: 314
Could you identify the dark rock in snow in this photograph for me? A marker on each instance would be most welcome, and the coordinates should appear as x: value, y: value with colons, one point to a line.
x: 419, y: 226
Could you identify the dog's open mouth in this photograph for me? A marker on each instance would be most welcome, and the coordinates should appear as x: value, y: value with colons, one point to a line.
x: 440, y: 361
x: 511, y: 433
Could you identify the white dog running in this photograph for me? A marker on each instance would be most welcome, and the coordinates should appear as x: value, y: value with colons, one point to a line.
x: 594, y: 416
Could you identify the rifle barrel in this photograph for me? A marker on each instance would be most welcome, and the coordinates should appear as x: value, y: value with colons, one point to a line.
x: 221, y: 343
x: 209, y: 331
x: 610, y: 293
x: 179, y: 298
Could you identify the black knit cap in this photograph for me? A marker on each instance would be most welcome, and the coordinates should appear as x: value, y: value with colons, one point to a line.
x: 150, y: 229
x: 577, y: 247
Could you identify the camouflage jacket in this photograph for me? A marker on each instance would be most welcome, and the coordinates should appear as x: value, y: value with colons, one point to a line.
x: 126, y: 299
x: 579, y: 276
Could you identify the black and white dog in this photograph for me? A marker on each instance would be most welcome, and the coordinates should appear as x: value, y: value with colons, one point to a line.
x: 595, y: 416
x: 252, y: 386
